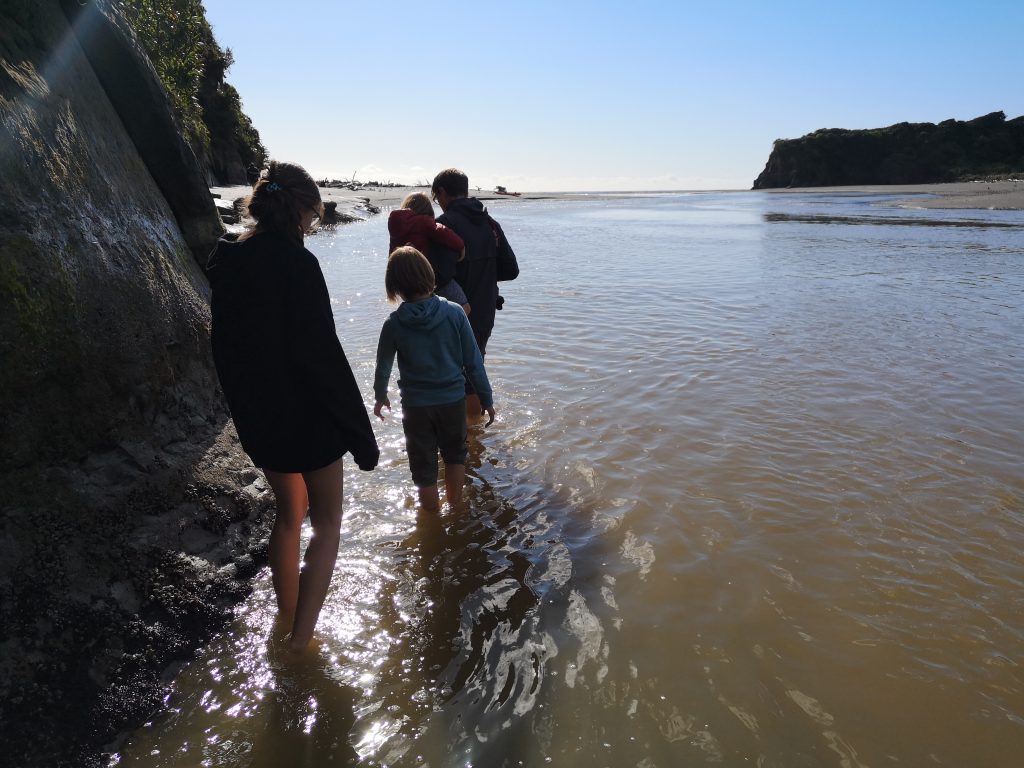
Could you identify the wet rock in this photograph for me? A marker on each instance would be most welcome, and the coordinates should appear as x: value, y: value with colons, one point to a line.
x: 226, y: 209
x: 332, y: 216
x: 130, y: 520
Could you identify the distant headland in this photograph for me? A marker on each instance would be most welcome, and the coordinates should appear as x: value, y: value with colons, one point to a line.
x: 987, y: 147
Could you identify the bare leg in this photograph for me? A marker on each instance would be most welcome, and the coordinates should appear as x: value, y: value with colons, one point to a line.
x: 325, y: 489
x: 473, y: 409
x: 429, y: 499
x: 292, y: 503
x: 454, y: 479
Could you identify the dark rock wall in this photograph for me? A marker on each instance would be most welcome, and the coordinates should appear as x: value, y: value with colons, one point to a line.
x: 905, y: 153
x: 144, y: 108
x: 130, y: 521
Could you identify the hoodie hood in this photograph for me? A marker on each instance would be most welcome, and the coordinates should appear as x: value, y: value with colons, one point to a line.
x: 425, y: 314
x: 469, y: 207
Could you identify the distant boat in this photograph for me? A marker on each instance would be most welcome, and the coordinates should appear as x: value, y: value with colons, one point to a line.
x: 499, y: 190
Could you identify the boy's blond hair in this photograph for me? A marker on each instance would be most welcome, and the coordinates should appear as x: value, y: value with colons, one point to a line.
x: 408, y: 274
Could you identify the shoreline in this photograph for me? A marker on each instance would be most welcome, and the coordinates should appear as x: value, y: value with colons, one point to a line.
x: 354, y: 201
x: 968, y: 195
x: 358, y: 204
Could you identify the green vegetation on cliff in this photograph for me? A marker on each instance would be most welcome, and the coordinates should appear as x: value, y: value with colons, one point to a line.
x: 179, y: 41
x: 906, y: 153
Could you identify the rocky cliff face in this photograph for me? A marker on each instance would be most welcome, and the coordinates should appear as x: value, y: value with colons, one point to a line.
x: 130, y: 521
x: 905, y: 153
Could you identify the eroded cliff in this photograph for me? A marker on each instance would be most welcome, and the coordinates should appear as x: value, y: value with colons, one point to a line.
x: 130, y: 521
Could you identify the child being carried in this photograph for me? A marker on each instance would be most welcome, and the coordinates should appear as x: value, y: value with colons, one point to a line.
x: 413, y: 224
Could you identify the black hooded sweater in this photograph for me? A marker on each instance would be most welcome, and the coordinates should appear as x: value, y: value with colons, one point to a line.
x: 477, y: 272
x: 292, y: 394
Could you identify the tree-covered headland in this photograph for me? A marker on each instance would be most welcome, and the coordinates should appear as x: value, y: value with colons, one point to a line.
x: 179, y: 41
x: 988, y: 147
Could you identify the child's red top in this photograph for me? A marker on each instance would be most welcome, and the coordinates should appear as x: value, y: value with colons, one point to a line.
x: 407, y: 227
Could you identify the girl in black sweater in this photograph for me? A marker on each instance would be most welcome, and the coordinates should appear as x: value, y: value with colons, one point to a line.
x: 292, y: 394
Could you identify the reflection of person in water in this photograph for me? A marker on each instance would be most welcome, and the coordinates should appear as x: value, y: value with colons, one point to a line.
x: 308, y: 713
x: 469, y: 583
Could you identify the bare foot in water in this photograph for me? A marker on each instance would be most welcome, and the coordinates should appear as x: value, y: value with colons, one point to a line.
x: 281, y: 648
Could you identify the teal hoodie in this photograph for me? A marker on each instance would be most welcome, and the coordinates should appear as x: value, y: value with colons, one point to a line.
x: 434, y: 343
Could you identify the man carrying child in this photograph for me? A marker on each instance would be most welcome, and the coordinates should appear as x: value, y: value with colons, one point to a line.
x: 488, y: 259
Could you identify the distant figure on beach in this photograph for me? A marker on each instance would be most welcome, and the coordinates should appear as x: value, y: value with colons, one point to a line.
x: 252, y: 173
x: 292, y: 394
x: 413, y: 224
x: 489, y: 258
x: 434, y: 344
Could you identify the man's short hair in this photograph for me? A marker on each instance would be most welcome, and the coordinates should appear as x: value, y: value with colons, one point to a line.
x: 408, y: 274
x: 453, y: 181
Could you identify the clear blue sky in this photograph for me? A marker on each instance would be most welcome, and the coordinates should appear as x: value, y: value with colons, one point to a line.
x: 602, y: 95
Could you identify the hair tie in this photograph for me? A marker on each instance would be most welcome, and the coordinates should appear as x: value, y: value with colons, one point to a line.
x: 273, y: 186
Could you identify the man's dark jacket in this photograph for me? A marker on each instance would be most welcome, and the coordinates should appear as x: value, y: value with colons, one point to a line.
x: 478, y: 273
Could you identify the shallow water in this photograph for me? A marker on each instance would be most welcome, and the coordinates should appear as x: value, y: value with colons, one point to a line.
x: 755, y: 497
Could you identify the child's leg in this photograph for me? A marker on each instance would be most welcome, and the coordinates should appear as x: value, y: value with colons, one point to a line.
x: 292, y: 504
x: 325, y: 489
x: 454, y: 479
x: 429, y: 499
x: 453, y: 292
x: 421, y: 448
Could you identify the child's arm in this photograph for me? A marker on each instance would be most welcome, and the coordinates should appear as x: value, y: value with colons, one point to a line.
x: 446, y: 237
x: 382, y: 374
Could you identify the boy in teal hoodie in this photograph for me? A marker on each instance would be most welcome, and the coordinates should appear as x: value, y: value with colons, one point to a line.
x: 436, y: 352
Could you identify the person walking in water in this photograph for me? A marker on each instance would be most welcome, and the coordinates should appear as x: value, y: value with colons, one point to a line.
x: 489, y: 259
x: 292, y: 395
x: 434, y: 345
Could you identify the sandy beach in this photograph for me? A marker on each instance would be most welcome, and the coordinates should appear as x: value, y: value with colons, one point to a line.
x: 990, y: 195
x: 357, y: 203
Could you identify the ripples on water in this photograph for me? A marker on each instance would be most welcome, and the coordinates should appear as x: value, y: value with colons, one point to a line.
x: 754, y: 498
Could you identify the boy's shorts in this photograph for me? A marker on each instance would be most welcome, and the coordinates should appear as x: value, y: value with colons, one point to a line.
x: 429, y: 428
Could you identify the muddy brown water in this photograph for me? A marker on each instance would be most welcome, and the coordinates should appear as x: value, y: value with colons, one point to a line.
x: 755, y: 497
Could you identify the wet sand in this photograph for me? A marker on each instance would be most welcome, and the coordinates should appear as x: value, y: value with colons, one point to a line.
x: 991, y: 195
